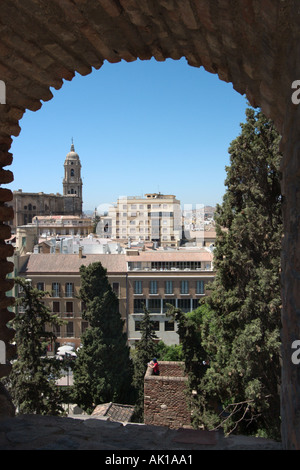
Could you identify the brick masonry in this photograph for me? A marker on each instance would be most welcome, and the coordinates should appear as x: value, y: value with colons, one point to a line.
x: 254, y: 44
x: 165, y: 398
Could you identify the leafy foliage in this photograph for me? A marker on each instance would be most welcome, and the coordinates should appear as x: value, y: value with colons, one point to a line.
x: 171, y: 352
x: 103, y: 369
x: 32, y: 381
x: 145, y: 350
x: 237, y: 327
x: 240, y: 325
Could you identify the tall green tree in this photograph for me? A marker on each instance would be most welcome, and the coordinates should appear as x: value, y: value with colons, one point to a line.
x: 32, y: 381
x: 103, y: 369
x: 240, y: 328
x: 145, y: 351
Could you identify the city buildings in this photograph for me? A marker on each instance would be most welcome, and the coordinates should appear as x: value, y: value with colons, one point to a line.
x: 139, y: 242
x: 56, y: 225
x: 153, y: 278
x: 28, y: 205
x: 155, y: 218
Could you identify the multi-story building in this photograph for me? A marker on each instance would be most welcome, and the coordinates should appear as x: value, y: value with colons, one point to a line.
x: 153, y: 279
x: 155, y: 218
x: 53, y: 225
x: 159, y: 279
x: 58, y: 274
x: 28, y: 205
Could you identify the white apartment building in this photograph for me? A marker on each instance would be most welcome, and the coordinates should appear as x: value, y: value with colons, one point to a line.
x: 153, y: 218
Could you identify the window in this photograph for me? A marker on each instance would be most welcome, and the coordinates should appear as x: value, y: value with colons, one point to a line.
x: 138, y: 305
x: 70, y: 329
x: 154, y: 305
x: 169, y: 326
x: 84, y: 326
x: 40, y: 286
x: 55, y: 289
x: 200, y: 287
x: 138, y: 287
x: 155, y: 325
x: 56, y: 330
x: 184, y: 305
x: 169, y: 287
x: 153, y: 287
x: 115, y: 288
x: 69, y: 309
x: 167, y: 303
x: 69, y: 289
x: 56, y: 307
x: 184, y: 287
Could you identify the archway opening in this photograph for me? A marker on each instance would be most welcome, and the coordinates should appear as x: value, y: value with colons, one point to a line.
x: 158, y: 146
x: 138, y: 127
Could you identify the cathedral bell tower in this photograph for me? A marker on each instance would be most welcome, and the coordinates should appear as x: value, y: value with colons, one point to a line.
x: 72, y: 183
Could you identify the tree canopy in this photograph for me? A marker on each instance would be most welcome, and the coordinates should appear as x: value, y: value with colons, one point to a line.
x: 103, y: 368
x: 32, y: 381
x: 239, y: 324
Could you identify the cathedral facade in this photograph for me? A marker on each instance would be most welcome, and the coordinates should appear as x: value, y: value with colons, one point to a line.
x: 28, y: 205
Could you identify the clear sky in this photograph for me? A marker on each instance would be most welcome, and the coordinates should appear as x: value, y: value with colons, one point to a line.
x: 138, y: 128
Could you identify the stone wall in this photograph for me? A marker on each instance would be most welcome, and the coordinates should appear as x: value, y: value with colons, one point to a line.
x: 254, y: 44
x: 165, y: 399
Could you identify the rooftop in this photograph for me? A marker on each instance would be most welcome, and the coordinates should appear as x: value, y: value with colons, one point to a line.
x: 114, y: 263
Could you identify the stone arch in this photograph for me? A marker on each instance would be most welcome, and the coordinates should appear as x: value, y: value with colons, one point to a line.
x: 251, y: 43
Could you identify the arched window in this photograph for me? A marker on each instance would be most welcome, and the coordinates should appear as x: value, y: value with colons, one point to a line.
x: 72, y: 173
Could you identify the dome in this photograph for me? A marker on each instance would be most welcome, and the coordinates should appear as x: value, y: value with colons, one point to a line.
x: 72, y: 154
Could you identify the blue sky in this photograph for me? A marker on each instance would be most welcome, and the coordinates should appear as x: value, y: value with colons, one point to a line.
x: 138, y: 128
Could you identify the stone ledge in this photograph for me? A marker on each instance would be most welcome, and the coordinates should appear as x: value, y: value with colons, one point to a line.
x: 35, y: 432
x: 166, y: 378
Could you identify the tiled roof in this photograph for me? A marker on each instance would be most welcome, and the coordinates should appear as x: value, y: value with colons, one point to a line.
x: 114, y: 263
x: 114, y: 412
x: 70, y: 263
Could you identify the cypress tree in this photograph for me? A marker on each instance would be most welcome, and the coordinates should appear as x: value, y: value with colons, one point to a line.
x: 103, y: 369
x: 145, y: 351
x: 241, y: 322
x: 32, y: 381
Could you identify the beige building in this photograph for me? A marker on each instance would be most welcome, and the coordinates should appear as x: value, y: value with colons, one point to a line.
x: 155, y: 217
x: 56, y: 225
x: 152, y: 279
x: 28, y: 205
x: 59, y: 275
x: 158, y: 279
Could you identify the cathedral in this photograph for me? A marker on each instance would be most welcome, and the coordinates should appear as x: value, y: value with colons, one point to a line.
x: 28, y: 205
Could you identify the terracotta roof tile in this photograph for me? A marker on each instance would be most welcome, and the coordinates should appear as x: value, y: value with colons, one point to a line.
x: 114, y: 412
x: 60, y: 263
